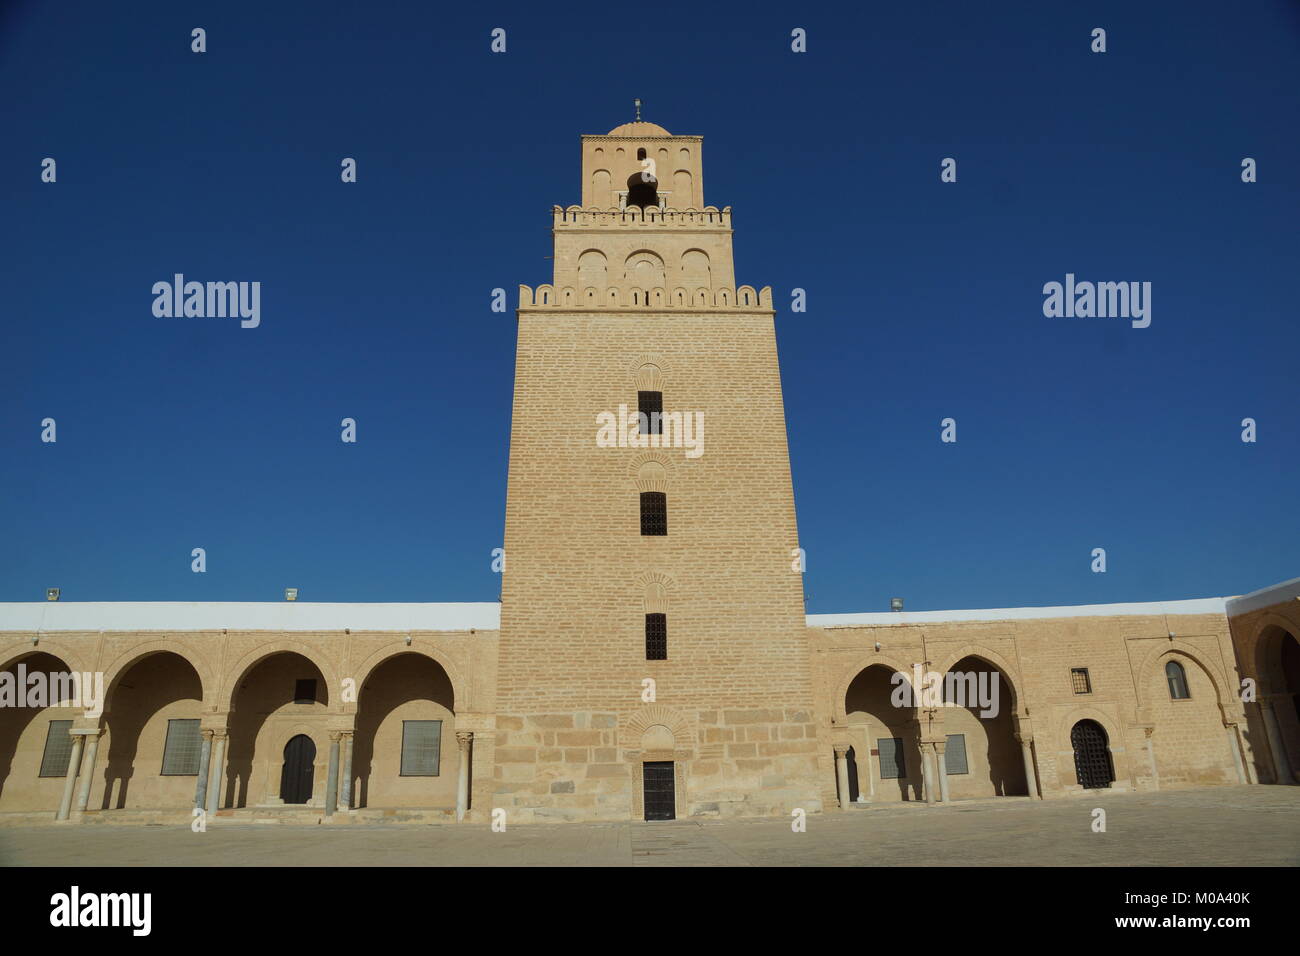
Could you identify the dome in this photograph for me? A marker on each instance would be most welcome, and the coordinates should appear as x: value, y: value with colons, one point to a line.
x: 639, y: 128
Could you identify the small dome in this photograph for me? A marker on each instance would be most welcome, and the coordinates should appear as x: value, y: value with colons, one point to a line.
x: 639, y: 128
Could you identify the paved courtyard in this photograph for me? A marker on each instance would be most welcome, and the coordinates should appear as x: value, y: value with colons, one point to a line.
x: 1230, y: 826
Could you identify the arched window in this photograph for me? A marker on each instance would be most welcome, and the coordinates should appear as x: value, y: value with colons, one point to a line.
x: 1177, y: 678
x: 654, y: 513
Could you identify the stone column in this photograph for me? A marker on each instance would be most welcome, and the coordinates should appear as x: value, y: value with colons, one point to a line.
x: 939, y: 748
x: 1027, y: 752
x: 218, y: 767
x: 842, y: 772
x: 345, y: 788
x: 465, y: 741
x: 927, y: 775
x: 1148, y: 731
x: 1281, y: 763
x: 1235, y: 746
x: 88, y: 770
x: 332, y: 776
x: 865, y: 771
x: 1247, y: 753
x: 205, y: 760
x: 70, y: 782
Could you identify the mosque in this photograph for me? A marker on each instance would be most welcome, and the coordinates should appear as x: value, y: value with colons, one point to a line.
x: 650, y: 657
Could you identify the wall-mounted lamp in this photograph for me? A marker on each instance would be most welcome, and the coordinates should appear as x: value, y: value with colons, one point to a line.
x: 895, y: 604
x: 877, y: 647
x: 408, y: 640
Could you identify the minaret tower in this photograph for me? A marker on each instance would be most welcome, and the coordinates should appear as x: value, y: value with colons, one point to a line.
x: 654, y: 658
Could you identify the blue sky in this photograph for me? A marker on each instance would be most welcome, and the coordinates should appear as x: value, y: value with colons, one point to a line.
x: 924, y: 298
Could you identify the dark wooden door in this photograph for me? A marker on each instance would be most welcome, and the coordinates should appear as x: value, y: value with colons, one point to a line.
x: 660, y: 801
x: 299, y: 769
x: 1091, y: 755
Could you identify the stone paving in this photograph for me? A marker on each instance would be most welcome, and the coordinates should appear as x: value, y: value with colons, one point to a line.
x: 1228, y: 826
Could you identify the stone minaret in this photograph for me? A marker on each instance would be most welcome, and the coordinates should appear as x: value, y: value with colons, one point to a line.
x: 644, y: 313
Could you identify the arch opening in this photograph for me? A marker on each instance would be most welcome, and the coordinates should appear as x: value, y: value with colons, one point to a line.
x: 25, y: 736
x: 154, y: 706
x: 279, y: 697
x: 983, y: 757
x: 886, y: 746
x: 404, y: 749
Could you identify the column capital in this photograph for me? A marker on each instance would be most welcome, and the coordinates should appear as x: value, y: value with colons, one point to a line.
x: 841, y: 749
x: 464, y: 738
x: 214, y: 721
x: 1025, y: 738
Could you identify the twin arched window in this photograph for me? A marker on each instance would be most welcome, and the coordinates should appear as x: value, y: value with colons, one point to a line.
x: 1177, y: 678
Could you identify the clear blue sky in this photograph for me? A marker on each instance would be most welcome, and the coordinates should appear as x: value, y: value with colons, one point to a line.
x: 924, y: 298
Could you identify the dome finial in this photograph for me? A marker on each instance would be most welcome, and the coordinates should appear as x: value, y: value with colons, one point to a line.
x: 637, y: 103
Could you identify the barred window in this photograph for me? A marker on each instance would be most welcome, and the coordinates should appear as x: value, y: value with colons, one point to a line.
x: 421, y: 747
x: 654, y: 513
x: 181, y: 751
x: 891, y: 758
x: 304, y: 691
x: 58, y: 749
x: 656, y: 637
x: 1079, y: 680
x: 651, y: 407
x: 954, y: 755
x: 1177, y: 678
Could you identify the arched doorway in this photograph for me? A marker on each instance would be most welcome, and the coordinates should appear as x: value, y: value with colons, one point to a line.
x: 887, y: 753
x: 279, y: 697
x: 298, y: 774
x: 1092, y: 763
x: 405, y: 752
x: 983, y: 757
x: 152, y: 740
x: 35, y: 746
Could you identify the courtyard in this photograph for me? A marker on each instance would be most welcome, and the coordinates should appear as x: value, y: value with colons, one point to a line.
x: 1221, y: 826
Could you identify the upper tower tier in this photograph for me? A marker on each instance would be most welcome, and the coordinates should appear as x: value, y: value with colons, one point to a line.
x: 609, y: 161
x: 643, y: 238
